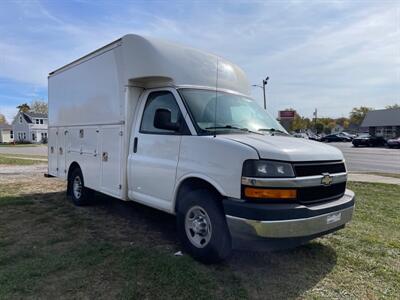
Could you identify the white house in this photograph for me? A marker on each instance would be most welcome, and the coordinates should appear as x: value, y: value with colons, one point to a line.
x: 6, y: 133
x: 30, y: 127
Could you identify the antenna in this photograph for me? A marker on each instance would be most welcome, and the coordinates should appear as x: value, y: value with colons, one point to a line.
x: 216, y: 99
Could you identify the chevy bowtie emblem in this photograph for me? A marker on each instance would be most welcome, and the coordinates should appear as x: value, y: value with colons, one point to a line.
x: 326, y: 179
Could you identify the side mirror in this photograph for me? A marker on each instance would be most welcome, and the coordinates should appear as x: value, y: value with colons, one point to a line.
x: 162, y: 120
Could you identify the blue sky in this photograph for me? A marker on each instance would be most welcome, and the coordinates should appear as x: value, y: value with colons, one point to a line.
x: 330, y: 55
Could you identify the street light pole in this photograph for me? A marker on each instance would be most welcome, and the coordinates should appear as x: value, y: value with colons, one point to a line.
x: 264, y: 83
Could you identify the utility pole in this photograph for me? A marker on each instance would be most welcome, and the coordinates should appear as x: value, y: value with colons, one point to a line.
x: 315, y: 120
x: 264, y: 83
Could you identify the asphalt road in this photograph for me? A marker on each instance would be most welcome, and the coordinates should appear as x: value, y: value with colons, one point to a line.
x: 370, y: 159
x: 361, y: 159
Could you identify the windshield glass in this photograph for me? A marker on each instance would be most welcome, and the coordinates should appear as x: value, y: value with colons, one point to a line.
x: 229, y: 113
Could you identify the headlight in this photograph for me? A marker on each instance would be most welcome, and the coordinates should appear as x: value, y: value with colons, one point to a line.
x: 264, y: 168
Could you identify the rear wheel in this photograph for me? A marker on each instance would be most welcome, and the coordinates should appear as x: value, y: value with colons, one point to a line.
x: 202, y: 226
x: 79, y: 194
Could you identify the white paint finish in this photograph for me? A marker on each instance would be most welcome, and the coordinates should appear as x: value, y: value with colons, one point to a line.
x: 155, y: 162
x: 52, y: 154
x: 91, y: 91
x: 217, y: 160
x: 89, y: 149
x: 87, y: 94
x: 287, y: 148
x: 61, y: 152
x: 149, y: 57
x: 153, y: 166
x: 111, y: 160
x: 104, y: 95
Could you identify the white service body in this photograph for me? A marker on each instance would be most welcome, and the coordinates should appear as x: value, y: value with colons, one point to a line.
x: 95, y: 110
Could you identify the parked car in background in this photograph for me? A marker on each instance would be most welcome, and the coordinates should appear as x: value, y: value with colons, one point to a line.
x: 301, y: 135
x: 394, y: 143
x: 352, y: 136
x: 335, y: 138
x: 314, y: 137
x: 369, y: 140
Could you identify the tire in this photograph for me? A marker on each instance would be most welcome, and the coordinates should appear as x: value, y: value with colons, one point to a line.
x: 202, y: 228
x: 80, y: 196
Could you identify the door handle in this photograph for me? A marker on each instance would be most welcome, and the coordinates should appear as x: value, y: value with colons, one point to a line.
x: 135, y: 141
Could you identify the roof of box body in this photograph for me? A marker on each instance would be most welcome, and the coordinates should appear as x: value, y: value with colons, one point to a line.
x: 382, y: 117
x: 144, y: 59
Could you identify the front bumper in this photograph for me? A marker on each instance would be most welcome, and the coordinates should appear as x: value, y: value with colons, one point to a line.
x: 256, y: 220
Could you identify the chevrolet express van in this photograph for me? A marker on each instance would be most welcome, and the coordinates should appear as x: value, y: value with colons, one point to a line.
x: 176, y: 129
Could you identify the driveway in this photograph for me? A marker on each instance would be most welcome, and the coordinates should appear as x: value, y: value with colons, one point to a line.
x: 28, y: 150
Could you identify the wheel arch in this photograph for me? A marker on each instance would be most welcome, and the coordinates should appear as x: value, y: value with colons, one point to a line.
x: 195, y: 182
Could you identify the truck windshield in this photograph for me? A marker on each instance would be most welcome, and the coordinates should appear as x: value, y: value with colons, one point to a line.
x: 225, y: 112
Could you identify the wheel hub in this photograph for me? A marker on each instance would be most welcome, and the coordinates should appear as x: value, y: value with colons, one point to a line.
x: 198, y: 226
x: 77, y: 187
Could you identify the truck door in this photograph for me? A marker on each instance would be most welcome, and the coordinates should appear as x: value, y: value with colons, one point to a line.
x: 153, y: 157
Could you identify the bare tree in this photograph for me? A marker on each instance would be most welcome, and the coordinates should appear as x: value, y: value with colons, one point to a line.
x: 39, y: 106
x: 3, y: 119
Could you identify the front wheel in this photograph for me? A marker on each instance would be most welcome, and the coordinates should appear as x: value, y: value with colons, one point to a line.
x: 202, y: 226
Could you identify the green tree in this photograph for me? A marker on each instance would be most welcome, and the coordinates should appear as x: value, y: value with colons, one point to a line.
x: 24, y: 107
x: 319, y: 127
x: 300, y: 123
x: 39, y: 106
x: 327, y: 130
x: 357, y: 114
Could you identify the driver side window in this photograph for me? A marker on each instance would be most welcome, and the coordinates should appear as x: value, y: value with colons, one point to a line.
x: 159, y: 100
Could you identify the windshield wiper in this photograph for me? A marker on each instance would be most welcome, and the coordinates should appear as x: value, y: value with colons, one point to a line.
x: 232, y: 127
x: 272, y: 130
x: 227, y: 127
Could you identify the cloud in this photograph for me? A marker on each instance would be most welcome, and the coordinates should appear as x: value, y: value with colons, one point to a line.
x: 8, y: 111
x: 332, y: 55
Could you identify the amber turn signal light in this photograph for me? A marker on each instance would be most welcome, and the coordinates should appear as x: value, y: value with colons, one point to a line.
x: 270, y: 193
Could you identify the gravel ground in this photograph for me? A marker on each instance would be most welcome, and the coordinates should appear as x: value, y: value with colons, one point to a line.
x: 31, y: 173
x: 34, y: 150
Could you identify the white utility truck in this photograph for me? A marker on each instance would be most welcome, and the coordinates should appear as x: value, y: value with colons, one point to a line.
x: 175, y: 128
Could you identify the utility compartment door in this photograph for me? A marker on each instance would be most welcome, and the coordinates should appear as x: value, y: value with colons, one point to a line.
x: 52, y: 156
x: 61, y: 143
x: 111, y: 160
x: 89, y: 155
